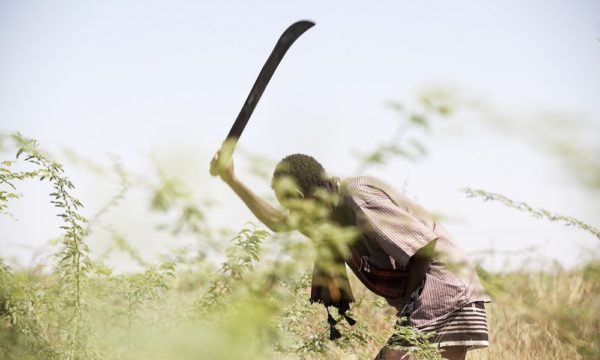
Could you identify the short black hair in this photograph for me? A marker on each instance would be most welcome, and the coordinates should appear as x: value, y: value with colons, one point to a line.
x: 306, y: 171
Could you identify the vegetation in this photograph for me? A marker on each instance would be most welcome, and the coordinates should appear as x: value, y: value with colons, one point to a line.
x: 255, y: 304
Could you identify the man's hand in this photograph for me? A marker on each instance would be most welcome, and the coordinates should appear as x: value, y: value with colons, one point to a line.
x: 225, y: 172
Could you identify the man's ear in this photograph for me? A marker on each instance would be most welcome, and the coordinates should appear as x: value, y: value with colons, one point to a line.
x: 299, y: 193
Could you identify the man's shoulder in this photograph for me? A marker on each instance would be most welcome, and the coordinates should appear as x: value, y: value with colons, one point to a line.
x: 357, y: 182
x: 352, y: 184
x: 361, y: 189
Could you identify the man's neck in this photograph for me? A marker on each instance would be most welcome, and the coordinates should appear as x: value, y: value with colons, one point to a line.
x: 335, y: 189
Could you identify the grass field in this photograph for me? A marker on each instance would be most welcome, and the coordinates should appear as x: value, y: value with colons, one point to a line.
x: 251, y: 306
x: 166, y: 314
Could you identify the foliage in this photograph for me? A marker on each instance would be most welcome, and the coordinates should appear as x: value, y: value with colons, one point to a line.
x: 22, y: 333
x: 241, y: 257
x: 538, y: 213
x: 419, y: 347
x: 405, y: 142
x: 8, y: 177
x: 255, y: 305
x: 73, y: 258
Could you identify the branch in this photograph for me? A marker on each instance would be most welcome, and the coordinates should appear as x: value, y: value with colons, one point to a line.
x: 537, y: 213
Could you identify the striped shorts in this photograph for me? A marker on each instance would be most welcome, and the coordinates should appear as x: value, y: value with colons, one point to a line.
x: 464, y: 327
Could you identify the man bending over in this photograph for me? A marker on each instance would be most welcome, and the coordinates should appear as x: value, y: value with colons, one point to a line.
x: 443, y: 295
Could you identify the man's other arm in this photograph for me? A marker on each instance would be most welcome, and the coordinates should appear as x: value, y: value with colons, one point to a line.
x: 418, y: 265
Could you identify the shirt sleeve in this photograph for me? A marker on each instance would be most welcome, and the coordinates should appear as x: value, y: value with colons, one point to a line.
x: 399, y: 233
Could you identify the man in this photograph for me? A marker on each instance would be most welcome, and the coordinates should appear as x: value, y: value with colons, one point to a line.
x: 443, y: 294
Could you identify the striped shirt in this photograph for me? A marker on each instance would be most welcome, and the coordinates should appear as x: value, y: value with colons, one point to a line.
x: 393, y: 229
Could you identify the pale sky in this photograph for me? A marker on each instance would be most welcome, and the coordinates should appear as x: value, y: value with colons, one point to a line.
x: 134, y: 78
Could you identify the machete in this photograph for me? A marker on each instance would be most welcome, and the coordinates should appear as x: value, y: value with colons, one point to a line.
x: 289, y: 36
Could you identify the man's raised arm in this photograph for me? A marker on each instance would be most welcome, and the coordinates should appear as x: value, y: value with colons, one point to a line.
x: 268, y: 215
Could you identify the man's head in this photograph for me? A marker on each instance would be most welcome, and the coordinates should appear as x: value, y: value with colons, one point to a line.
x: 299, y: 176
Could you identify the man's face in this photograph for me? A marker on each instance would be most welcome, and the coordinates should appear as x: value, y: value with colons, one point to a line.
x: 302, y: 209
x: 289, y: 195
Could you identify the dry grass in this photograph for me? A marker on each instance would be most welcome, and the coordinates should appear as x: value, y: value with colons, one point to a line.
x: 553, y: 314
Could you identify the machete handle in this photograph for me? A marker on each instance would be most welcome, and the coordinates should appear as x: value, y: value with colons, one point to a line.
x: 224, y: 155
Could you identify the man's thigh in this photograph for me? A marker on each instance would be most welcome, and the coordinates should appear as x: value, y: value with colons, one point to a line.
x: 454, y: 352
x: 387, y: 353
x: 449, y: 353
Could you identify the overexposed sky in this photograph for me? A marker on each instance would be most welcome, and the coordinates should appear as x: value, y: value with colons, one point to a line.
x: 135, y: 78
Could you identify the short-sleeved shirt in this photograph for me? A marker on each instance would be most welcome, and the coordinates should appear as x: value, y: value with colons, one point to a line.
x: 394, y: 228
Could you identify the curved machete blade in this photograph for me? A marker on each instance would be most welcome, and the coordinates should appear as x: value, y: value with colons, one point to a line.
x: 285, y: 41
